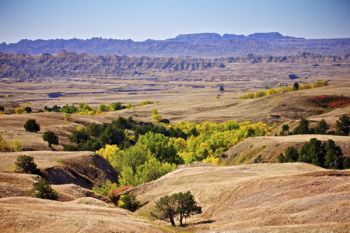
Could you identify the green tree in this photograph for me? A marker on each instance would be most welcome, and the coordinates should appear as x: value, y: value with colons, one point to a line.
x: 166, y: 209
x: 333, y: 157
x: 296, y: 86
x: 31, y: 126
x: 42, y: 189
x: 291, y: 154
x: 51, y: 138
x: 129, y: 202
x: 186, y: 206
x: 313, y: 152
x: 160, y: 146
x: 182, y: 205
x: 303, y: 127
x: 25, y: 164
x: 343, y: 125
x: 321, y: 127
x: 346, y: 162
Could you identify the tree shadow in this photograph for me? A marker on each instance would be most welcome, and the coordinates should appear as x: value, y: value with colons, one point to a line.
x: 208, y: 221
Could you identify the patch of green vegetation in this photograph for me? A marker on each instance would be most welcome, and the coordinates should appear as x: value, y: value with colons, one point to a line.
x: 285, y: 89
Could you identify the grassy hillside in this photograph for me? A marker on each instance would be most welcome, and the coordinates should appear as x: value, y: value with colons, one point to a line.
x: 261, y: 197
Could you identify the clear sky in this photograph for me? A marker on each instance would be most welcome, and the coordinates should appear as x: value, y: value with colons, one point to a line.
x: 160, y: 19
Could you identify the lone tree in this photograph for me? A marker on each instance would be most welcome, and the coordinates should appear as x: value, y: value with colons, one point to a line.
x: 180, y: 205
x: 25, y: 164
x: 285, y: 130
x: 296, y: 86
x: 343, y: 125
x: 42, y: 189
x: 50, y: 138
x: 31, y: 126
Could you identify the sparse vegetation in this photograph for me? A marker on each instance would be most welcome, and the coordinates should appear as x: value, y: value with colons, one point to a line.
x: 180, y: 205
x: 285, y: 89
x: 42, y: 189
x: 31, y: 126
x: 104, y: 188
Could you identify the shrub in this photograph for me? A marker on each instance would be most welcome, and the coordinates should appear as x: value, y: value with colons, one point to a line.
x: 105, y: 188
x: 28, y: 109
x: 31, y: 126
x: 285, y: 130
x: 42, y: 189
x: 129, y: 202
x: 2, y: 109
x: 156, y: 116
x: 19, y: 110
x: 25, y: 164
x: 16, y: 146
x: 50, y: 138
x: 181, y: 205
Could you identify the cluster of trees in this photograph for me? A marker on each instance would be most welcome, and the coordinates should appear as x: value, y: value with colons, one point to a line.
x: 178, y: 205
x: 154, y: 150
x: 324, y: 154
x: 285, y: 89
x: 84, y: 108
x: 123, y: 132
x: 342, y: 127
x: 41, y: 188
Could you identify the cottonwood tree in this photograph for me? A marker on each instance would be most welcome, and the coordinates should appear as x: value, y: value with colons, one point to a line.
x: 180, y: 205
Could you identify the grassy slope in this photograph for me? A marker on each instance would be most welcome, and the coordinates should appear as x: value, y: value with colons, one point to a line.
x: 260, y: 197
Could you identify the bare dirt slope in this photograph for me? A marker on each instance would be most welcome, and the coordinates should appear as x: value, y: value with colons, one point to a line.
x: 259, y: 198
x: 82, y: 168
x: 269, y: 147
x: 23, y: 214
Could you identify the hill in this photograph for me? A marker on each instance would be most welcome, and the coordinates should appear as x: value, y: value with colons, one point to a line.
x: 199, y: 45
x: 81, y: 168
x: 258, y: 198
x: 267, y: 148
x: 24, y: 214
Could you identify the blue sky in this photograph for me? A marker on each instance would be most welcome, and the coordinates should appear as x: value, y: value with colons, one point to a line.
x: 160, y: 19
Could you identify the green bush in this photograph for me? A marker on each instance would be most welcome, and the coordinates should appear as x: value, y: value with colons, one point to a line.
x: 129, y: 202
x: 25, y: 164
x: 50, y: 138
x: 31, y: 126
x: 42, y: 189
